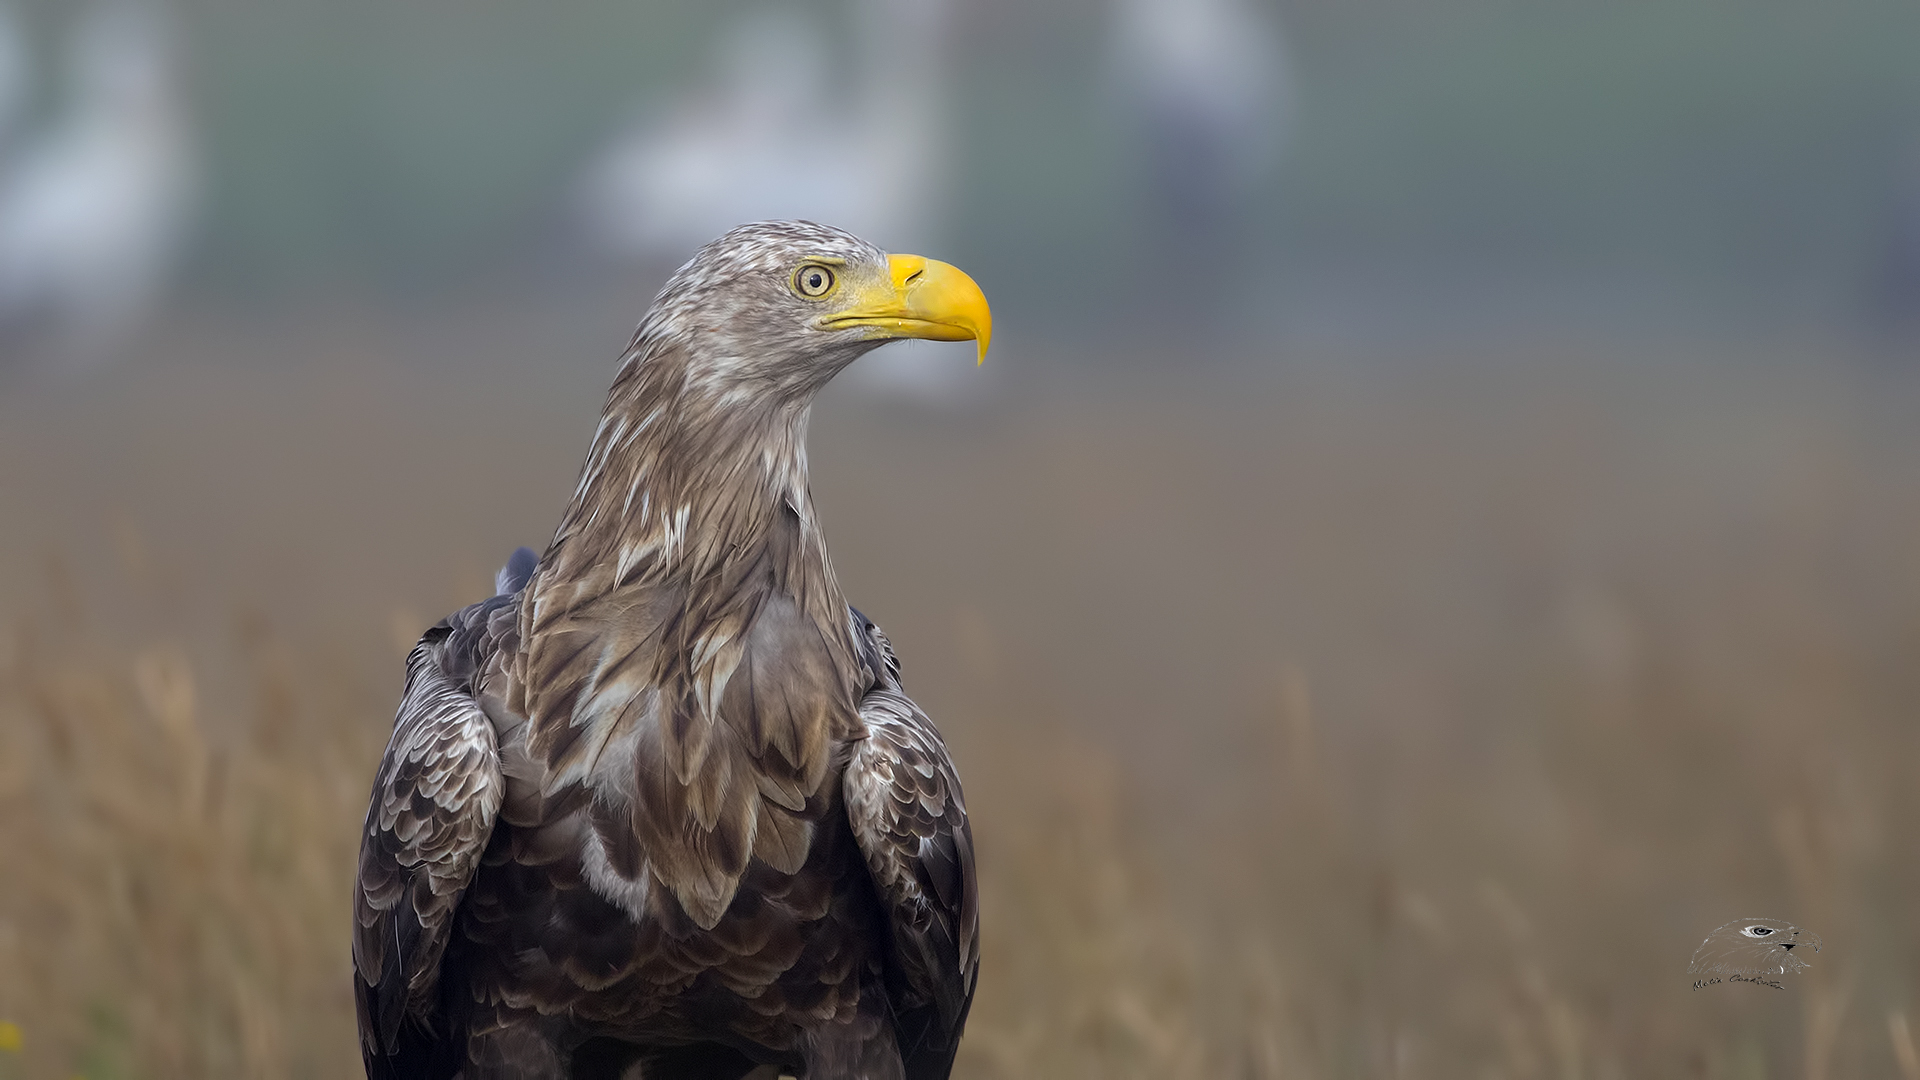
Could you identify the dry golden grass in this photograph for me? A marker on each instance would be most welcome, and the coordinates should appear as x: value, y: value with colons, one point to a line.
x: 171, y: 893
x: 1447, y: 815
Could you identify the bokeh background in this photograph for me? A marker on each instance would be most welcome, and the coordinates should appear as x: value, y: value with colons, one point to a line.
x: 1438, y: 533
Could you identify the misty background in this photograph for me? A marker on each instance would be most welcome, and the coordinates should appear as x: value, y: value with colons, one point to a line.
x: 1629, y: 168
x: 1436, y: 533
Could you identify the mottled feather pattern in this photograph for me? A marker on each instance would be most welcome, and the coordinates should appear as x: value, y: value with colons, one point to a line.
x: 665, y: 803
x: 910, y: 819
x: 435, y: 800
x: 721, y: 568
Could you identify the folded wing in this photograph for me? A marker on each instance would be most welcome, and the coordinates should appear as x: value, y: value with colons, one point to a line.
x: 434, y: 802
x: 903, y: 799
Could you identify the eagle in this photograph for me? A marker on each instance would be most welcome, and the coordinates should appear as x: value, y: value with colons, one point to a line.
x: 661, y: 808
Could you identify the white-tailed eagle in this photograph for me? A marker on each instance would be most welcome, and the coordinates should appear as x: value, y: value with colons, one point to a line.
x: 661, y: 808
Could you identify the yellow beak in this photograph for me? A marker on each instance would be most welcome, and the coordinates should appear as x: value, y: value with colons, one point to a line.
x: 923, y: 298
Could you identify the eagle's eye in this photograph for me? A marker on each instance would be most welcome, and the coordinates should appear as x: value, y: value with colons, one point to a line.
x: 1759, y: 931
x: 813, y: 281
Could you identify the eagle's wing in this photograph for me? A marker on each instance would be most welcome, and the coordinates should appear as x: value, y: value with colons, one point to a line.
x: 434, y: 802
x: 910, y: 820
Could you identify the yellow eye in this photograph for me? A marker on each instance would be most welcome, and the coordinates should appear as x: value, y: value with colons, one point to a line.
x: 813, y: 281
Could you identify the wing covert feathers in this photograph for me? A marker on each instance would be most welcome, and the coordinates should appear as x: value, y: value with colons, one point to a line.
x: 909, y: 819
x: 435, y: 799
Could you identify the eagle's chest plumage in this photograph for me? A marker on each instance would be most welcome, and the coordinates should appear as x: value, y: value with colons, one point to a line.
x: 673, y: 855
x: 548, y: 936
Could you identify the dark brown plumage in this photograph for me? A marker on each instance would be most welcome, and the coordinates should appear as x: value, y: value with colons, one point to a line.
x: 662, y: 807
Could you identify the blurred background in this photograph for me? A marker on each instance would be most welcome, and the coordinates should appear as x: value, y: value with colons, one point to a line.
x: 1438, y: 533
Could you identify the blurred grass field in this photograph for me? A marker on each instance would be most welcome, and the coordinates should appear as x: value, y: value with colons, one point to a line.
x: 1381, y: 715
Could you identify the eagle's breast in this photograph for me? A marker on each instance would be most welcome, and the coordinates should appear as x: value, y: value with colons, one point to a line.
x: 690, y: 705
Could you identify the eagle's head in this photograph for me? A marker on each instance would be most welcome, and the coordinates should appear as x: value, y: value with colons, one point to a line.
x: 780, y: 307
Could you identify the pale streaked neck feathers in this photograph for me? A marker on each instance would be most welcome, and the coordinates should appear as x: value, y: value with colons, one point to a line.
x: 682, y: 476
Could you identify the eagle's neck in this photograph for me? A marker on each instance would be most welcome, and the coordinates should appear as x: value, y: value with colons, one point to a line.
x: 686, y: 481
